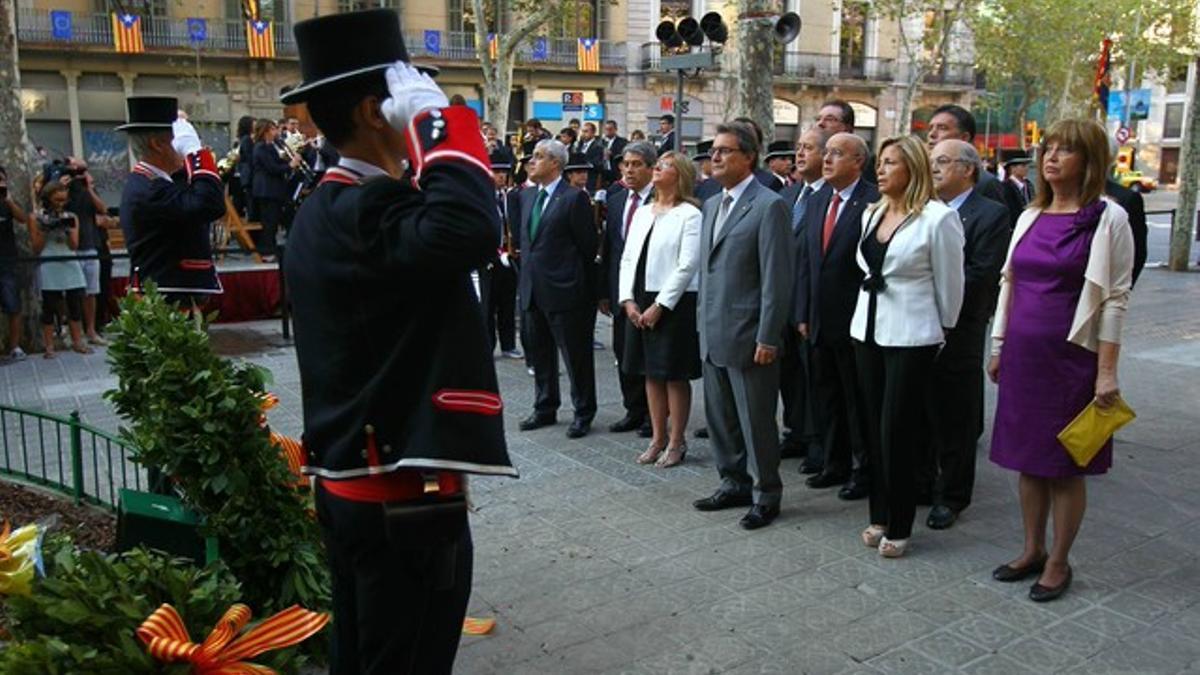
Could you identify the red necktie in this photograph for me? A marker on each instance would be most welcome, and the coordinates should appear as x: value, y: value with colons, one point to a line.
x: 830, y: 221
x: 633, y: 199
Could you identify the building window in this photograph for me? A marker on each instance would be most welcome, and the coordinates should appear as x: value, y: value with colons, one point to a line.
x: 852, y: 47
x: 139, y: 7
x: 274, y: 11
x: 359, y: 5
x: 1173, y: 121
x: 579, y: 19
x: 674, y: 10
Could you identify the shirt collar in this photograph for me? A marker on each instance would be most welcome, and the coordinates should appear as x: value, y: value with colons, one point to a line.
x: 552, y: 186
x: 364, y: 169
x: 957, y: 202
x: 644, y: 192
x: 849, y: 190
x: 738, y: 190
x: 816, y: 185
x: 158, y: 173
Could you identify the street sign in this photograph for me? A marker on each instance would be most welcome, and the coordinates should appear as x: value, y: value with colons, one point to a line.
x: 1122, y: 135
x: 572, y: 101
x: 687, y: 61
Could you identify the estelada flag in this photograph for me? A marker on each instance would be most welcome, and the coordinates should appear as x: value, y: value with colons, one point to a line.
x: 127, y: 33
x: 260, y: 39
x: 589, y: 55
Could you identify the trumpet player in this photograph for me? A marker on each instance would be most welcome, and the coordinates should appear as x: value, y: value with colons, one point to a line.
x: 270, y: 184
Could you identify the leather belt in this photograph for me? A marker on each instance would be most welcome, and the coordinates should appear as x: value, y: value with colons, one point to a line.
x: 397, y: 486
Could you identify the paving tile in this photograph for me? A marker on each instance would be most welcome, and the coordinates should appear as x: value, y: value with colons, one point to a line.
x: 948, y: 649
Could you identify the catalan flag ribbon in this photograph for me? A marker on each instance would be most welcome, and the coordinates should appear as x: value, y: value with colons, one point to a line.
x: 493, y: 46
x: 1102, y: 82
x: 589, y: 55
x: 167, y: 639
x: 127, y: 33
x: 260, y: 39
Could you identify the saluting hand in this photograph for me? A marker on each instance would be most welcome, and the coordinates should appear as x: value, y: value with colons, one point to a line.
x: 412, y: 92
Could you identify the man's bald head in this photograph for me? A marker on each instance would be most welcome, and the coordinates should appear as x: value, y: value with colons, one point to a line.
x: 845, y: 158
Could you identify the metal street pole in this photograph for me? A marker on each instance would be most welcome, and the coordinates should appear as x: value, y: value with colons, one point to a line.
x: 1128, y: 118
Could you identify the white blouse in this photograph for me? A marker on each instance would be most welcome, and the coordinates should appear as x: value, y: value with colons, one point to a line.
x: 673, y: 257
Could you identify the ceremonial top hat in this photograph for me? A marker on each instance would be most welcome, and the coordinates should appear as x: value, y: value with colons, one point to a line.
x: 780, y: 149
x: 150, y: 113
x: 339, y: 46
x: 1017, y: 158
x: 577, y: 161
x: 502, y: 159
x: 703, y: 151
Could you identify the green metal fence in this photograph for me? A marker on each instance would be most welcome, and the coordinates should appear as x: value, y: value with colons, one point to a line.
x: 66, y: 455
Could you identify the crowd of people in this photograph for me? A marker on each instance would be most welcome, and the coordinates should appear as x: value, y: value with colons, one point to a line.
x: 858, y: 290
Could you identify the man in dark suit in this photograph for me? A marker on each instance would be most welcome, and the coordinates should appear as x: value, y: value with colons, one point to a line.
x: 837, y: 117
x: 614, y: 149
x: 827, y: 284
x: 763, y: 175
x: 666, y: 127
x: 593, y: 151
x: 1018, y: 190
x: 795, y: 366
x: 556, y: 285
x: 1135, y: 206
x: 498, y: 283
x: 955, y: 401
x: 621, y: 205
x: 956, y: 122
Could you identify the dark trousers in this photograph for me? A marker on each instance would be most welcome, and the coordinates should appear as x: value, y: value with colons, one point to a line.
x: 954, y: 404
x: 270, y: 213
x: 549, y: 333
x: 893, y: 381
x: 794, y: 388
x: 398, y: 606
x: 739, y: 405
x: 633, y: 387
x: 502, y: 307
x: 840, y: 423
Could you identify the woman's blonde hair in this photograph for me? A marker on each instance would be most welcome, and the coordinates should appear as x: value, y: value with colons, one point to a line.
x: 915, y: 158
x: 1082, y: 136
x: 687, y: 176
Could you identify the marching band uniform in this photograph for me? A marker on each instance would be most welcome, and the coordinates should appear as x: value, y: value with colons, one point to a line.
x: 399, y: 390
x: 165, y: 218
x: 500, y: 300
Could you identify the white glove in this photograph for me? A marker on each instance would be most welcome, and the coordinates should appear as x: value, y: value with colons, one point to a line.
x: 186, y: 140
x: 412, y: 92
x: 504, y: 260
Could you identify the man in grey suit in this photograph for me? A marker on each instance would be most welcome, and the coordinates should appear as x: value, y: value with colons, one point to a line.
x: 745, y: 289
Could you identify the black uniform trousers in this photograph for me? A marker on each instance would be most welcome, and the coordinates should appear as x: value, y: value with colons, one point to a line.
x: 398, y: 606
x: 794, y: 386
x: 893, y: 382
x: 840, y: 425
x: 270, y: 213
x: 502, y: 307
x: 955, y: 410
x: 569, y: 332
x: 633, y: 387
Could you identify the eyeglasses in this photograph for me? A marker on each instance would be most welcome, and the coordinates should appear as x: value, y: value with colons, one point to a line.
x: 946, y: 161
x: 836, y: 153
x: 663, y: 166
x: 828, y: 118
x: 721, y: 152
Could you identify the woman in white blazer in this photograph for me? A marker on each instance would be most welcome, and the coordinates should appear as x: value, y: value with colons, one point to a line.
x: 658, y: 283
x: 912, y: 253
x: 1056, y: 340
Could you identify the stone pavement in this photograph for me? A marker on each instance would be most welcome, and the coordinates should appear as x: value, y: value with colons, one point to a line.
x: 593, y: 564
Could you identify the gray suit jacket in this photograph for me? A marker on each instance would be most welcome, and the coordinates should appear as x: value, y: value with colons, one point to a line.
x: 745, y: 277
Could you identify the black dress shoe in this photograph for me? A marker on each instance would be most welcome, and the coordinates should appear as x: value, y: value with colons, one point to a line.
x: 626, y: 423
x: 645, y: 431
x: 1008, y: 573
x: 809, y: 466
x: 579, y: 429
x: 941, y: 517
x: 854, y: 490
x: 536, y: 421
x: 722, y: 500
x: 825, y: 480
x: 1040, y: 593
x: 702, y: 432
x: 759, y: 516
x: 790, y: 448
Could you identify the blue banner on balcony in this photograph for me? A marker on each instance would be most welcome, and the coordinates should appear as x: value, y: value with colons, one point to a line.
x: 60, y: 24
x: 540, y: 49
x: 197, y: 30
x: 433, y: 42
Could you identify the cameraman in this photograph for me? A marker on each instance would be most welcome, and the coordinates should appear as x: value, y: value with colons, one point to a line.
x: 54, y: 233
x: 85, y: 204
x: 10, y: 290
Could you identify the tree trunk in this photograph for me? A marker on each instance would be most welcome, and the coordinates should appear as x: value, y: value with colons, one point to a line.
x: 754, y: 92
x: 1189, y: 183
x: 904, y: 123
x: 15, y: 154
x: 497, y: 91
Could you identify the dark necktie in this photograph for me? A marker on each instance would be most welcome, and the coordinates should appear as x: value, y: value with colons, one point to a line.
x: 535, y: 218
x: 830, y: 222
x: 634, y: 198
x: 800, y: 207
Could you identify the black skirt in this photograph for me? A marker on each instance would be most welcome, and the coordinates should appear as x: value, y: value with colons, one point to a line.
x: 671, y: 351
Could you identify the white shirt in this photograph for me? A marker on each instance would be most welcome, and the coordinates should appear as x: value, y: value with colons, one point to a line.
x: 845, y: 197
x: 364, y: 169
x: 551, y: 187
x: 737, y: 191
x: 957, y: 202
x: 812, y: 189
x: 158, y: 173
x: 643, y: 194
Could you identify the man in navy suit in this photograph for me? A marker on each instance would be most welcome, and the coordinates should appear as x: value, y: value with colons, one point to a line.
x: 827, y: 284
x: 956, y: 385
x: 558, y: 243
x: 622, y: 203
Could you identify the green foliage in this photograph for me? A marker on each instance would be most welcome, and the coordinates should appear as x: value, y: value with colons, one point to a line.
x: 196, y: 416
x: 82, y: 617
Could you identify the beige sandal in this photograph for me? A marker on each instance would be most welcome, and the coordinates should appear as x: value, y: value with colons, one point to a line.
x: 673, y: 457
x: 651, y: 454
x: 893, y: 548
x: 873, y: 535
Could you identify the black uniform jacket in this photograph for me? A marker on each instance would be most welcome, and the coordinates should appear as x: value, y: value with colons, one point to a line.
x: 166, y: 224
x: 395, y: 366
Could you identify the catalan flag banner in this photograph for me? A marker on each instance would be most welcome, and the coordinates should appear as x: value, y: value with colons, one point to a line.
x: 589, y: 55
x: 260, y: 39
x: 127, y: 33
x: 493, y: 46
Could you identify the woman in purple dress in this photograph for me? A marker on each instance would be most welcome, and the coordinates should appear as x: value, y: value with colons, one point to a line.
x: 1055, y: 342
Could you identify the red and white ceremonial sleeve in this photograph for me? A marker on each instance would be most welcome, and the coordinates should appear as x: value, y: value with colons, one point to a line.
x: 201, y: 164
x: 446, y: 135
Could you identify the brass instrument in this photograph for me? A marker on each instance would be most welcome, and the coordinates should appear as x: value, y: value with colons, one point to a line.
x: 290, y: 150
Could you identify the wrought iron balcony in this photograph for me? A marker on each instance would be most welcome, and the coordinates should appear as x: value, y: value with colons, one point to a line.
x: 563, y: 52
x: 960, y: 74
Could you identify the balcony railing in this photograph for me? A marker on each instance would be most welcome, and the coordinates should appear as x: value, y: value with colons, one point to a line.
x: 800, y: 65
x: 460, y: 46
x: 962, y: 74
x: 159, y: 32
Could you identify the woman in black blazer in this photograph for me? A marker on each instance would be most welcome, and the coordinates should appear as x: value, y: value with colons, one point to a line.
x: 270, y: 191
x: 239, y: 185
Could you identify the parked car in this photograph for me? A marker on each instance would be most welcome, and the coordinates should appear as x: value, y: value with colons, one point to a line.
x: 1134, y: 180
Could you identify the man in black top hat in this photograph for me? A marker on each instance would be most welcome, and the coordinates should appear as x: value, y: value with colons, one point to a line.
x: 706, y: 185
x: 399, y: 389
x: 501, y: 296
x: 171, y: 196
x: 779, y: 161
x: 576, y: 171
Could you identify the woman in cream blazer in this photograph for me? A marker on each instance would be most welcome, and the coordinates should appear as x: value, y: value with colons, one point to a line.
x: 912, y: 252
x: 657, y: 285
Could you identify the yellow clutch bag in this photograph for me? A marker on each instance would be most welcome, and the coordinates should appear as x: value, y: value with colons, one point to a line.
x: 1090, y: 429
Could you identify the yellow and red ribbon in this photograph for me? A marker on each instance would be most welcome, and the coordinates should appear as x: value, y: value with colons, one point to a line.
x: 167, y: 638
x: 18, y: 558
x: 5, y: 550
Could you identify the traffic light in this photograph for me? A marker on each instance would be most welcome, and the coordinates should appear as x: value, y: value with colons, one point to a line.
x: 1033, y: 135
x: 1124, y: 159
